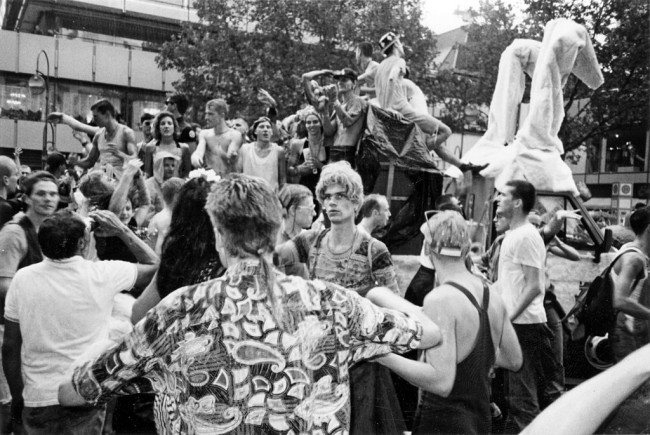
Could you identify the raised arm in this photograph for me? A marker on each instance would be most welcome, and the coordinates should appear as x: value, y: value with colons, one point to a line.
x: 307, y: 87
x: 121, y: 192
x: 110, y: 225
x: 72, y: 123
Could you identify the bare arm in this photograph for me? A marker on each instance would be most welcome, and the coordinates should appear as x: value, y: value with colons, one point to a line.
x: 581, y: 410
x: 74, y: 124
x: 384, y: 297
x: 236, y: 141
x: 199, y: 153
x: 282, y: 169
x: 11, y: 363
x: 306, y: 84
x: 329, y: 125
x: 121, y: 192
x: 534, y: 279
x: 563, y: 250
x: 438, y: 373
x: 91, y: 159
x: 630, y: 268
x: 147, y: 300
x: 554, y: 225
x: 110, y: 225
x: 508, y: 350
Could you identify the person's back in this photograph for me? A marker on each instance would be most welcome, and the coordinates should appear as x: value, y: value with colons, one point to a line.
x: 396, y: 98
x: 71, y: 297
x: 467, y: 408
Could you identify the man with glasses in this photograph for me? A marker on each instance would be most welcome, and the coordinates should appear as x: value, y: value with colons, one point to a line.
x: 177, y: 105
x: 351, y: 258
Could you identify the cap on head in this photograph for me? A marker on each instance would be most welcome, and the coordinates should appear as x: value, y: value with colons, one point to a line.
x: 387, y: 41
x: 447, y: 234
x: 347, y: 73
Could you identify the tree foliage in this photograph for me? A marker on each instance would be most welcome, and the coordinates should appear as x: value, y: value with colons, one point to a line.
x: 240, y: 46
x: 619, y: 32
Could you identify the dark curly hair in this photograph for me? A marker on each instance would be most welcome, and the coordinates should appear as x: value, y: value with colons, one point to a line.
x: 189, y: 255
x: 155, y: 127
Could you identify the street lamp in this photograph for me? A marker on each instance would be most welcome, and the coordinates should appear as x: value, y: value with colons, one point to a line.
x: 39, y: 83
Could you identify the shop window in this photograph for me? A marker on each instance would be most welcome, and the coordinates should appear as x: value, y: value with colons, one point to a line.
x: 626, y: 151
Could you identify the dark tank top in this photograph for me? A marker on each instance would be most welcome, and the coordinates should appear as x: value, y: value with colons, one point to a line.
x: 467, y: 409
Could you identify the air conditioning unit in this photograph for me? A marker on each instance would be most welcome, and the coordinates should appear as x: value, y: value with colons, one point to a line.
x: 625, y: 189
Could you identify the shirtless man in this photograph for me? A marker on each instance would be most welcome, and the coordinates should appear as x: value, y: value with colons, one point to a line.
x: 218, y: 144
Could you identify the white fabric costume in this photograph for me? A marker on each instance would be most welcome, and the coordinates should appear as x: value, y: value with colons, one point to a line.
x: 566, y: 48
x: 534, y: 155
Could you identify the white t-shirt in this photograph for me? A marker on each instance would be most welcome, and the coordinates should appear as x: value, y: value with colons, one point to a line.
x: 62, y: 307
x: 522, y: 246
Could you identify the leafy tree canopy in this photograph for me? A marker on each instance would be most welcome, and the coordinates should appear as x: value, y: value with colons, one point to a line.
x: 240, y: 46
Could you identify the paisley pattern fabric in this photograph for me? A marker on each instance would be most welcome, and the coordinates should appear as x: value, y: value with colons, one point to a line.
x: 227, y: 362
x: 355, y: 270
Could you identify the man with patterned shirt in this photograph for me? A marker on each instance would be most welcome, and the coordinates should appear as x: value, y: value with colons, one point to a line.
x: 254, y: 351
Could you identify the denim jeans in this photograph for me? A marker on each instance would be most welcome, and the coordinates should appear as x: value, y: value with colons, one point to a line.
x: 62, y: 420
x: 525, y: 387
x: 555, y: 382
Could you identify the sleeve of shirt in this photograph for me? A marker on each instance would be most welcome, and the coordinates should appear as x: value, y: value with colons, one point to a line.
x: 376, y: 331
x: 13, y: 247
x: 119, y: 370
x: 382, y: 266
x: 123, y: 274
x: 530, y: 251
x: 11, y: 302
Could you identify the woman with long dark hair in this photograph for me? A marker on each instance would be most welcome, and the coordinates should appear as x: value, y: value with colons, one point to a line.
x: 188, y: 254
x: 165, y: 131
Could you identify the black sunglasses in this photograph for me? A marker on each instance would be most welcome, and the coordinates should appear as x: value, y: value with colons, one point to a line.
x: 168, y: 102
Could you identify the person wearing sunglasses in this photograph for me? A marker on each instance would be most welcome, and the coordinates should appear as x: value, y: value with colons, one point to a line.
x: 353, y: 259
x: 454, y: 378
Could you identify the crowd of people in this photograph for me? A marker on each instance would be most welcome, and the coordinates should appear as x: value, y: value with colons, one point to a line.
x: 230, y: 278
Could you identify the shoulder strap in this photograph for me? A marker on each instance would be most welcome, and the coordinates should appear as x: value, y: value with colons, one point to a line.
x: 372, y: 275
x: 619, y: 255
x: 466, y: 292
x: 486, y: 296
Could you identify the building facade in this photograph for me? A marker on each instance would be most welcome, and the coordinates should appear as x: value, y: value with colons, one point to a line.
x: 88, y: 49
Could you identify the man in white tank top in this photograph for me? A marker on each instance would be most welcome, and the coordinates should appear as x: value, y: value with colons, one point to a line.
x: 114, y: 143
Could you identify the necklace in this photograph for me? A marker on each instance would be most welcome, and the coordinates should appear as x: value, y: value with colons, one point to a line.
x: 317, y: 255
x: 109, y: 135
x: 354, y: 239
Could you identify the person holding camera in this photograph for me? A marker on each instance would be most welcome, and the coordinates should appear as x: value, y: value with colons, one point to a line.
x: 74, y: 298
